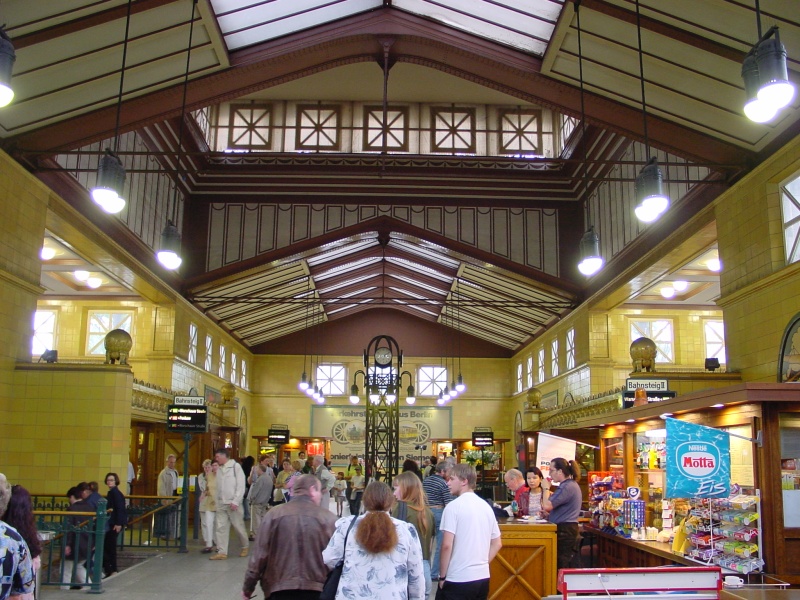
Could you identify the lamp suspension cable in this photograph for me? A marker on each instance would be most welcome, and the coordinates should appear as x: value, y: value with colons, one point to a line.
x: 591, y: 261
x: 649, y: 185
x: 303, y: 385
x: 110, y: 182
x: 460, y: 386
x: 169, y: 253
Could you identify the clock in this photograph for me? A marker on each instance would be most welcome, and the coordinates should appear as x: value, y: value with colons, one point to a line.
x: 383, y: 356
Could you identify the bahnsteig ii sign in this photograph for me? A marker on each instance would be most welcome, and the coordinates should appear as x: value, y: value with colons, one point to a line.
x: 345, y: 425
x: 698, y: 461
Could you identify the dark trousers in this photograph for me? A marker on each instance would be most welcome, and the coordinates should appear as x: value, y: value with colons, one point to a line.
x: 294, y: 595
x: 110, y: 552
x: 468, y: 590
x: 355, y: 503
x: 568, y: 542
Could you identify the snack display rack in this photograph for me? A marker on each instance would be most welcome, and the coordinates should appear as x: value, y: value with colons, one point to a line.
x: 726, y: 532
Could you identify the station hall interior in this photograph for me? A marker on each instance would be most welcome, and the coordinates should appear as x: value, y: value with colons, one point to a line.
x: 430, y: 171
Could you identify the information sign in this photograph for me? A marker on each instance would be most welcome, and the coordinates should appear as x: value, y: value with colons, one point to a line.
x: 190, y: 400
x: 278, y: 436
x: 482, y: 438
x: 187, y: 418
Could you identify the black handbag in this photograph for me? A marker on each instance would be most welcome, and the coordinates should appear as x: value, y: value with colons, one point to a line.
x: 332, y: 582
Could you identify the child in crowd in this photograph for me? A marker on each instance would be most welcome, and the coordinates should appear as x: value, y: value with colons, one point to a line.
x: 339, y: 488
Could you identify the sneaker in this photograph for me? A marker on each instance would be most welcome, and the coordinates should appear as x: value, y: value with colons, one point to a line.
x: 244, y: 552
x: 219, y: 557
x: 208, y: 550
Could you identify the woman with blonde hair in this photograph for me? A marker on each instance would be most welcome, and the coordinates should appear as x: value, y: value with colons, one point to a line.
x: 207, y: 482
x: 382, y: 555
x: 411, y: 507
x: 296, y: 470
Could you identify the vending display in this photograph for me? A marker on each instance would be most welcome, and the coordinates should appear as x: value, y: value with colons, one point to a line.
x: 724, y: 532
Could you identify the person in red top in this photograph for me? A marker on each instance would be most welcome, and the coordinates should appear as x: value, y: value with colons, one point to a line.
x: 515, y: 482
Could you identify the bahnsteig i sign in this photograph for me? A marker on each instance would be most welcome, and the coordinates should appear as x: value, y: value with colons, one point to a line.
x: 698, y: 461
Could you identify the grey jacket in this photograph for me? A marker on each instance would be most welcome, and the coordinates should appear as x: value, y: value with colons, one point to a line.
x: 261, y: 491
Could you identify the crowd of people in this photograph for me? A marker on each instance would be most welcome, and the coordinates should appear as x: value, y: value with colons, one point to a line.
x: 428, y: 529
x: 387, y: 546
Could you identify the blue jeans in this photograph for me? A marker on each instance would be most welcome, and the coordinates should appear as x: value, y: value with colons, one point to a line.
x: 426, y: 567
x: 437, y: 520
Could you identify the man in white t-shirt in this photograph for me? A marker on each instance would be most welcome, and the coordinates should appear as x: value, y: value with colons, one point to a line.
x: 470, y: 542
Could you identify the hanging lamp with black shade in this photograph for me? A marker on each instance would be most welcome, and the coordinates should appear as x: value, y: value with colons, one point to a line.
x: 591, y: 261
x: 766, y: 76
x: 7, y: 58
x: 169, y: 252
x: 649, y: 185
x: 108, y: 190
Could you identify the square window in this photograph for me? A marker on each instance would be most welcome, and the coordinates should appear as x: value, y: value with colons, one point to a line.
x: 432, y: 380
x: 102, y: 322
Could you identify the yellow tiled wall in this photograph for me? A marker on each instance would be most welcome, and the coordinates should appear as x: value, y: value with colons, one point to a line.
x: 23, y: 206
x: 759, y: 291
x: 71, y: 423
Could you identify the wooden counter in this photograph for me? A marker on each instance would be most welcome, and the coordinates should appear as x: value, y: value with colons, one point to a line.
x: 525, y: 567
x: 616, y: 551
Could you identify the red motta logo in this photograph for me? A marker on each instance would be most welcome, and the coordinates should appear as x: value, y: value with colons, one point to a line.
x: 697, y: 460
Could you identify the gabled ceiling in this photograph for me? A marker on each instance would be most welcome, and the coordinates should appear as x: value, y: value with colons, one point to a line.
x: 512, y: 52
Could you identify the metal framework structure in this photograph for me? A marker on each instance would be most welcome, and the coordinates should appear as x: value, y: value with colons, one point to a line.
x: 381, y: 387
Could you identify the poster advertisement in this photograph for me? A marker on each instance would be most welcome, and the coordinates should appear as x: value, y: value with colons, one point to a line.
x: 698, y: 461
x: 345, y: 425
x: 549, y: 447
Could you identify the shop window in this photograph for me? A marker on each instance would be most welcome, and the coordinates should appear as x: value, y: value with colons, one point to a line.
x: 658, y: 330
x: 570, y: 349
x: 540, y: 364
x: 554, y: 358
x: 790, y: 208
x: 432, y: 380
x: 529, y: 371
x: 100, y: 323
x: 331, y: 379
x: 192, y: 343
x: 790, y: 468
x: 209, y: 353
x: 714, y: 334
x: 519, y: 378
x: 234, y: 368
x: 44, y: 331
x: 222, y: 353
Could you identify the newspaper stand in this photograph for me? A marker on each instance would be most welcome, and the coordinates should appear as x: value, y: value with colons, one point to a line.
x: 691, y: 583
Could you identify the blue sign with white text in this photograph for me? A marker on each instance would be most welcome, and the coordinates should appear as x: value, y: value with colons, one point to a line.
x: 698, y: 461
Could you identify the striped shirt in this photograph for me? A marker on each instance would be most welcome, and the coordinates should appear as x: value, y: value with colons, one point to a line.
x: 437, y: 491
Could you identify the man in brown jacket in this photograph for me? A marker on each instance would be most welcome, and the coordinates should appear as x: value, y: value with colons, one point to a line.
x: 288, y: 549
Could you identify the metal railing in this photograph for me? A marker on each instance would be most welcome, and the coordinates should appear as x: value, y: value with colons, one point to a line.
x: 154, y: 522
x: 72, y: 552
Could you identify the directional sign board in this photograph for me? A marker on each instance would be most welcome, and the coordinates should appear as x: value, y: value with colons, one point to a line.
x: 482, y: 438
x: 187, y: 418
